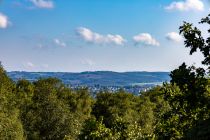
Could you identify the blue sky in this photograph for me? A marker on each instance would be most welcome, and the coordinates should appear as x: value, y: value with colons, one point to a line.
x: 93, y: 35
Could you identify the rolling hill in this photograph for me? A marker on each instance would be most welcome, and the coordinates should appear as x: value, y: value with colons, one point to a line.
x: 103, y: 78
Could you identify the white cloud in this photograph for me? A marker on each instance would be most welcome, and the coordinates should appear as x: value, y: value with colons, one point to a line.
x: 4, y: 22
x: 173, y: 36
x: 59, y: 43
x: 146, y: 38
x: 186, y: 5
x: 97, y: 38
x: 47, y: 4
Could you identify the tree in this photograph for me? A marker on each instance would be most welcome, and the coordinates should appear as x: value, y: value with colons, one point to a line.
x: 188, y: 94
x: 10, y: 124
x: 49, y: 117
x: 194, y: 39
x: 95, y: 130
x: 129, y: 116
x: 113, y: 105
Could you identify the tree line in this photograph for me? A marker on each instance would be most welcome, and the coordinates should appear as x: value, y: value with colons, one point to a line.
x: 48, y: 110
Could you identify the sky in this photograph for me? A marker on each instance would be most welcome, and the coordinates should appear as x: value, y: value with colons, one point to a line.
x: 97, y: 35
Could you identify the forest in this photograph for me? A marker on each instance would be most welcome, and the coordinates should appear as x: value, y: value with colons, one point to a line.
x: 48, y: 110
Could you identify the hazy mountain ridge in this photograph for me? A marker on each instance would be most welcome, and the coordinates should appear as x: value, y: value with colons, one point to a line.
x: 104, y: 78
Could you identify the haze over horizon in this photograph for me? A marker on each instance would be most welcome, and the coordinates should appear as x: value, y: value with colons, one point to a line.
x: 105, y: 35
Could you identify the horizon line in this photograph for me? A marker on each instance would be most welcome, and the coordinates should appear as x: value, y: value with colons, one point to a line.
x: 85, y: 71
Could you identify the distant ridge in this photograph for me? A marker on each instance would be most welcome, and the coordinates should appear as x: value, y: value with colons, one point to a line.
x: 90, y: 78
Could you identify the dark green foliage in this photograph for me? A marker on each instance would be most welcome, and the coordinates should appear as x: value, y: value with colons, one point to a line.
x: 194, y: 86
x: 194, y: 39
x: 188, y: 94
x: 200, y: 131
x: 95, y: 130
x: 111, y: 106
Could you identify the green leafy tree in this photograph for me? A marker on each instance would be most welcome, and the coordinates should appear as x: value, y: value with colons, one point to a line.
x: 49, y: 117
x: 111, y: 106
x: 95, y: 130
x: 10, y: 124
x: 130, y: 116
x: 188, y: 94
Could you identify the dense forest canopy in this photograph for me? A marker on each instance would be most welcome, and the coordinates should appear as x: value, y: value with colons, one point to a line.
x: 47, y: 109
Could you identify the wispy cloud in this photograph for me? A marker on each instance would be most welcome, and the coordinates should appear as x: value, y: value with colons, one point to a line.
x: 175, y: 37
x: 146, y: 39
x: 88, y: 62
x: 59, y: 43
x: 46, y: 4
x: 97, y: 38
x: 186, y: 5
x: 28, y: 65
x: 4, y: 21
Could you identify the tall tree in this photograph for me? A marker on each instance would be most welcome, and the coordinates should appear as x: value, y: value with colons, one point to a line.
x: 188, y: 94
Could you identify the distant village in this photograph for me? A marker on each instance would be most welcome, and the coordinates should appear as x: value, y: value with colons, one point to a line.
x: 136, y: 90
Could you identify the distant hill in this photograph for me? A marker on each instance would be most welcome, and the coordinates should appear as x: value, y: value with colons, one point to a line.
x: 103, y: 78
